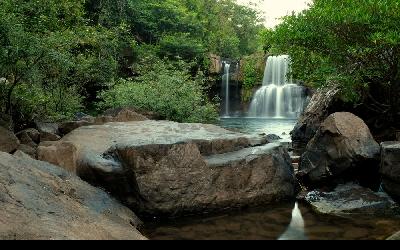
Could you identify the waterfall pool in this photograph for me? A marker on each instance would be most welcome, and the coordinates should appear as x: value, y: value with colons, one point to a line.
x: 272, y: 223
x: 279, y: 127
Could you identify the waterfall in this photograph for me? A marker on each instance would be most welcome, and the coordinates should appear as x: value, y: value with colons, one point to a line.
x: 279, y: 97
x: 226, y: 85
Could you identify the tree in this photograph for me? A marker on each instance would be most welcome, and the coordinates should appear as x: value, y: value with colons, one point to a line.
x: 355, y: 44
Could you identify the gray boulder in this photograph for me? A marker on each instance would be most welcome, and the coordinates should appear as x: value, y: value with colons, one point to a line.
x: 162, y: 168
x: 342, y: 148
x: 39, y: 201
x: 352, y: 199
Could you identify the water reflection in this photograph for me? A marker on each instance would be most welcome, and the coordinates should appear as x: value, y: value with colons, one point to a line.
x: 296, y: 229
x: 271, y: 223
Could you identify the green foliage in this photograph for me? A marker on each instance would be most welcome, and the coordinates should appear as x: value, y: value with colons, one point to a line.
x: 354, y: 43
x: 166, y: 89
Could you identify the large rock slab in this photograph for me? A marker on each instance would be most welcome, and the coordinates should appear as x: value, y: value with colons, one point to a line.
x: 167, y: 168
x: 342, y: 148
x: 352, y: 199
x: 390, y: 168
x: 8, y: 141
x: 321, y: 105
x: 395, y: 236
x: 39, y: 201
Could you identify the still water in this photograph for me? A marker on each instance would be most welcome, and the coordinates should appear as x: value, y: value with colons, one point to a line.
x: 272, y: 223
x: 280, y: 127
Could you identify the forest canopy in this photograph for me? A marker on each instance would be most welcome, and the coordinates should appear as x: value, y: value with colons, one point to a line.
x: 60, y: 57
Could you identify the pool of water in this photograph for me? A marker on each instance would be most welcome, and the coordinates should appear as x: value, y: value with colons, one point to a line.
x: 272, y: 223
x: 280, y: 127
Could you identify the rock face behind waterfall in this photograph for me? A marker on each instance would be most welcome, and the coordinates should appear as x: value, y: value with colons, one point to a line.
x: 390, y: 168
x: 165, y: 168
x: 318, y: 109
x: 342, y: 147
x: 39, y: 201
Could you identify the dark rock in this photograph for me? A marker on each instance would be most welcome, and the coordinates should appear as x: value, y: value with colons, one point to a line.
x: 342, y: 148
x: 39, y: 201
x: 166, y: 168
x: 318, y: 109
x: 67, y: 127
x: 24, y: 138
x: 31, y: 133
x: 352, y: 199
x: 120, y: 115
x: 6, y: 121
x: 390, y: 168
x: 27, y: 149
x: 8, y: 141
x: 273, y: 138
x: 45, y: 127
x: 45, y: 136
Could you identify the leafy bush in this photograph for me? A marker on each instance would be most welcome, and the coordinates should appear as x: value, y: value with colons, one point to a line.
x: 166, y: 89
x: 353, y: 43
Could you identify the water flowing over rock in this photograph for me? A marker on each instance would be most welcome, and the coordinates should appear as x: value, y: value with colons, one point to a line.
x: 317, y: 110
x: 165, y: 168
x: 39, y: 201
x: 342, y: 147
x: 278, y: 97
x: 390, y: 168
x: 8, y: 141
x: 352, y: 199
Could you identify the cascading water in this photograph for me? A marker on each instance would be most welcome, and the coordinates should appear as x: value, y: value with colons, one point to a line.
x: 279, y: 97
x: 225, y: 79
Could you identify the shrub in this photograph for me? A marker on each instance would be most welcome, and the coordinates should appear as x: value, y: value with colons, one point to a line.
x: 169, y: 90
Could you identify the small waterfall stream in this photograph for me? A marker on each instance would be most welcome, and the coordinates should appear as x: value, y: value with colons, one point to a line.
x: 226, y: 85
x: 279, y: 97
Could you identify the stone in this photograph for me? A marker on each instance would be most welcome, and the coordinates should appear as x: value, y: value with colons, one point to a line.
x: 45, y: 136
x: 342, y: 148
x: 67, y: 127
x: 46, y: 127
x: 8, y: 141
x: 24, y: 138
x: 39, y: 201
x: 62, y: 154
x: 162, y: 168
x: 6, y: 121
x: 352, y: 199
x: 28, y: 135
x: 390, y: 168
x: 398, y: 135
x: 395, y: 236
x: 273, y: 138
x: 27, y: 149
x: 319, y: 108
x: 120, y: 115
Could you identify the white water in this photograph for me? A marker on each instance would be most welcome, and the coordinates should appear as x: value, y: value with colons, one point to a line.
x: 226, y: 85
x: 279, y: 97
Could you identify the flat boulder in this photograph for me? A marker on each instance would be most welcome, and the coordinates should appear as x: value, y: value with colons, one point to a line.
x: 8, y: 141
x: 390, y: 168
x: 162, y: 168
x: 352, y: 199
x: 395, y: 236
x: 39, y: 201
x: 342, y: 148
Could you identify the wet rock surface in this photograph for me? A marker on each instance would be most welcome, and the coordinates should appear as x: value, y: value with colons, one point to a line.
x: 352, y: 199
x: 39, y: 201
